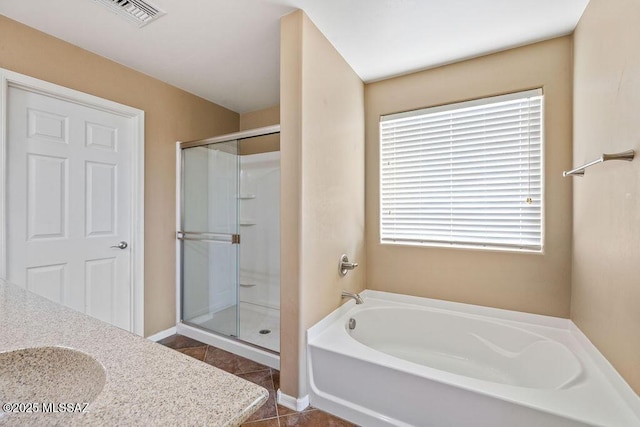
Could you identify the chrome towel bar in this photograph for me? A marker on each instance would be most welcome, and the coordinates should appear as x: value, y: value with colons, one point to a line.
x: 579, y: 171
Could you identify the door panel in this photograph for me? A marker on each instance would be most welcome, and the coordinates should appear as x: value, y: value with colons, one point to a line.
x: 47, y: 203
x: 101, y: 137
x: 210, y: 255
x: 48, y: 281
x: 102, y: 194
x: 100, y: 284
x: 47, y: 126
x: 68, y: 203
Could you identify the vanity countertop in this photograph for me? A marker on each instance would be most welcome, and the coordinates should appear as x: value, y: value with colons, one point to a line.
x: 146, y: 383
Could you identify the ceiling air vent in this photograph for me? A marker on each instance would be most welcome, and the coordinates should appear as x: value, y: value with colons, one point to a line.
x: 137, y: 11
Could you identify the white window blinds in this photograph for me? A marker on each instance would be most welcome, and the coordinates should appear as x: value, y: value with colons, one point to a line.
x: 466, y: 174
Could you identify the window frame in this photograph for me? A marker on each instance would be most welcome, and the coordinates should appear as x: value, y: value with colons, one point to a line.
x: 485, y: 247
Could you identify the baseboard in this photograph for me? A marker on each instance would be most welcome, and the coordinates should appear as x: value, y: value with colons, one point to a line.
x: 162, y: 334
x: 296, y: 404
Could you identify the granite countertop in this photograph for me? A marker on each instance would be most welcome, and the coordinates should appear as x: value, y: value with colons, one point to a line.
x: 146, y: 383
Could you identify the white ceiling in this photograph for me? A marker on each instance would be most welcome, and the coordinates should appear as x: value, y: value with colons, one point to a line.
x: 227, y: 51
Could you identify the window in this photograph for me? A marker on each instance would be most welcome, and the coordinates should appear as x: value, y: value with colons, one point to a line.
x: 466, y: 174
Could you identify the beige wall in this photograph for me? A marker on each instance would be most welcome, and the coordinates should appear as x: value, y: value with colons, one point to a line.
x: 260, y: 118
x: 290, y: 199
x: 257, y: 119
x: 322, y: 205
x: 606, y: 228
x: 518, y: 281
x: 170, y: 115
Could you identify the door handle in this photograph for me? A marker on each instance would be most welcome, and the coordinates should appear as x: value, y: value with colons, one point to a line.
x: 121, y: 245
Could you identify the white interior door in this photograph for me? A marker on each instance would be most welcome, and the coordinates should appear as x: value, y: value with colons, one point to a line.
x: 69, y: 204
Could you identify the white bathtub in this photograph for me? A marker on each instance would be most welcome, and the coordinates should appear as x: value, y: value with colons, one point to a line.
x: 420, y: 362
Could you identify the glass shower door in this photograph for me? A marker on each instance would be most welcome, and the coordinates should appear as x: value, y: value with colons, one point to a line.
x: 210, y: 237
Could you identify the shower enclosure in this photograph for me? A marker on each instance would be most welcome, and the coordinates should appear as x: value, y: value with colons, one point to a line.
x: 229, y: 242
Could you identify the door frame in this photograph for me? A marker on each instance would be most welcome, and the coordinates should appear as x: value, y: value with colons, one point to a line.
x: 10, y: 79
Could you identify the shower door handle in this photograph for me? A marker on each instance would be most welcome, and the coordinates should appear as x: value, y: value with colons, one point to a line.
x: 233, y: 239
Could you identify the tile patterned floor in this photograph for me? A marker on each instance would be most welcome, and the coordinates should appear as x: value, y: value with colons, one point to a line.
x: 270, y: 414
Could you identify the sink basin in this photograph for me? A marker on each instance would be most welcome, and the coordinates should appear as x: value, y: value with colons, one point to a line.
x: 49, y: 374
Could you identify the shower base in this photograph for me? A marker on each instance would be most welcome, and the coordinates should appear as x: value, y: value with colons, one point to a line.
x: 253, y: 319
x: 251, y: 344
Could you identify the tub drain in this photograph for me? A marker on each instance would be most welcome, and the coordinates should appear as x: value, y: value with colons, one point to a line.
x: 265, y: 331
